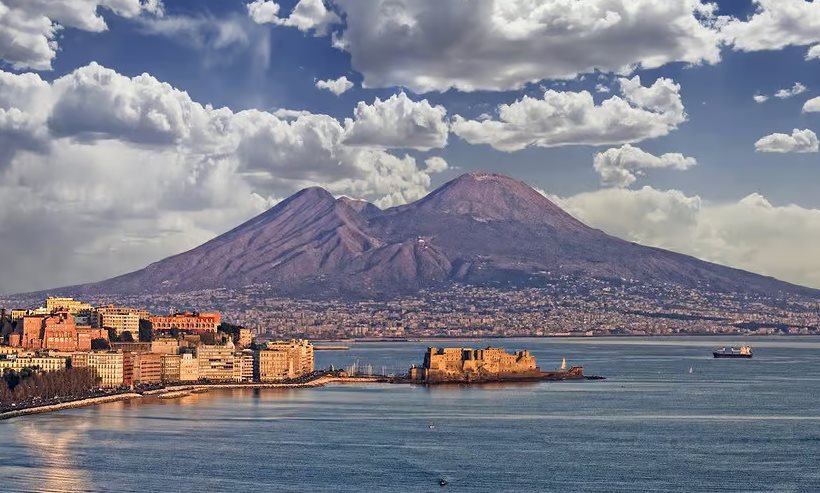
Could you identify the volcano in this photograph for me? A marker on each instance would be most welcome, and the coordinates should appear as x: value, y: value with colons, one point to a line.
x: 479, y: 229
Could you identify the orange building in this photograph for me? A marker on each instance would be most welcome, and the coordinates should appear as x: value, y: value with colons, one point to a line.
x: 86, y: 334
x: 188, y: 321
x: 57, y: 331
x: 31, y: 331
x: 147, y: 368
x: 60, y: 332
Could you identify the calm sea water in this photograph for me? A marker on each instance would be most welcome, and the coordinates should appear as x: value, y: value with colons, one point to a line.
x: 729, y: 425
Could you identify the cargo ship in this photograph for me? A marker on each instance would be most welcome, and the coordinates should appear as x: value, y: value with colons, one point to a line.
x: 733, y: 352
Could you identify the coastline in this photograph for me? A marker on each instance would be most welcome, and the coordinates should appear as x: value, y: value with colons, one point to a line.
x: 89, y: 401
x: 179, y: 391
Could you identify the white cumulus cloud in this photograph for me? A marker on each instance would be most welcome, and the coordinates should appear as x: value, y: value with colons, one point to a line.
x: 798, y: 141
x: 812, y: 105
x: 124, y: 170
x: 397, y: 122
x: 337, y: 86
x: 794, y: 90
x: 429, y: 45
x: 619, y: 166
x: 566, y: 118
x: 29, y: 29
x: 435, y: 164
x: 306, y: 15
x: 750, y: 234
x: 775, y: 24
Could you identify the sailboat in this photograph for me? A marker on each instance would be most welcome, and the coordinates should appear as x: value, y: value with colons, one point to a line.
x: 564, y: 365
x: 691, y: 370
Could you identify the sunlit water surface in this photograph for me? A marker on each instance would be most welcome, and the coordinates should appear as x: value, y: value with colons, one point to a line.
x: 728, y: 425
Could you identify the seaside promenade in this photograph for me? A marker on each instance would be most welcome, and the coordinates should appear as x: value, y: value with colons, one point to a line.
x: 179, y: 391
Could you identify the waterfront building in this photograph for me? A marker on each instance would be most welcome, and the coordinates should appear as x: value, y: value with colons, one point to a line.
x: 170, y: 372
x: 218, y: 362
x: 70, y: 305
x: 128, y: 368
x: 457, y: 363
x: 188, y: 368
x: 37, y: 362
x: 165, y: 345
x: 246, y: 360
x: 282, y: 360
x: 147, y: 368
x: 187, y: 321
x: 108, y: 365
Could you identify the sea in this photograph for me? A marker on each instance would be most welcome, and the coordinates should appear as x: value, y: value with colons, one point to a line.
x: 668, y: 417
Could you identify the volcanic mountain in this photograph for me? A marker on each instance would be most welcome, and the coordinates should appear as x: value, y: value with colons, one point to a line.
x: 480, y: 228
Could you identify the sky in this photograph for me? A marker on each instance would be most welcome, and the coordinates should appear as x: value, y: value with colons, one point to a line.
x: 131, y: 130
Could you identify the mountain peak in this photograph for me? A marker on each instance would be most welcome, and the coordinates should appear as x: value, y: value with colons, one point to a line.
x: 493, y: 197
x: 361, y: 206
x: 480, y: 228
x: 315, y: 193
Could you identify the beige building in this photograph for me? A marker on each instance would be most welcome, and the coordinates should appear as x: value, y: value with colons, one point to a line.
x: 121, y: 320
x: 17, y: 313
x: 218, y: 362
x: 165, y: 345
x: 9, y: 350
x: 69, y: 305
x: 109, y: 366
x: 245, y: 360
x: 41, y: 363
x: 245, y: 337
x: 188, y: 368
x: 170, y: 368
x: 123, y: 310
x: 281, y: 360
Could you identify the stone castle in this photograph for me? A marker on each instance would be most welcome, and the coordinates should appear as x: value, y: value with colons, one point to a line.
x: 465, y: 364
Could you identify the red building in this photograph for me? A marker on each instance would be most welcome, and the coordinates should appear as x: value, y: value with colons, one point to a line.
x: 60, y: 332
x: 56, y: 331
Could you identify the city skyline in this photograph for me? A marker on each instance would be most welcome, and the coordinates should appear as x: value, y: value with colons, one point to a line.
x: 135, y: 132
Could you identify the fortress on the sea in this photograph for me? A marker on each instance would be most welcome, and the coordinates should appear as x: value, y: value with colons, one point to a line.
x: 466, y: 365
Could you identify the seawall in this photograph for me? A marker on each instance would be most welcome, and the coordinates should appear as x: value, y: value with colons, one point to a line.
x: 69, y: 405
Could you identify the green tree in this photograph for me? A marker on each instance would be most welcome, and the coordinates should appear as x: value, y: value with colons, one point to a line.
x: 100, y: 343
x: 146, y: 331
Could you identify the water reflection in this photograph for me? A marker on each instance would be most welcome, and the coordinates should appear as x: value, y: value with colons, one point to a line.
x: 53, y: 447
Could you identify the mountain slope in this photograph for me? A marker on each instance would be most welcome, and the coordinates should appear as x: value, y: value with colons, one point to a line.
x: 480, y: 228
